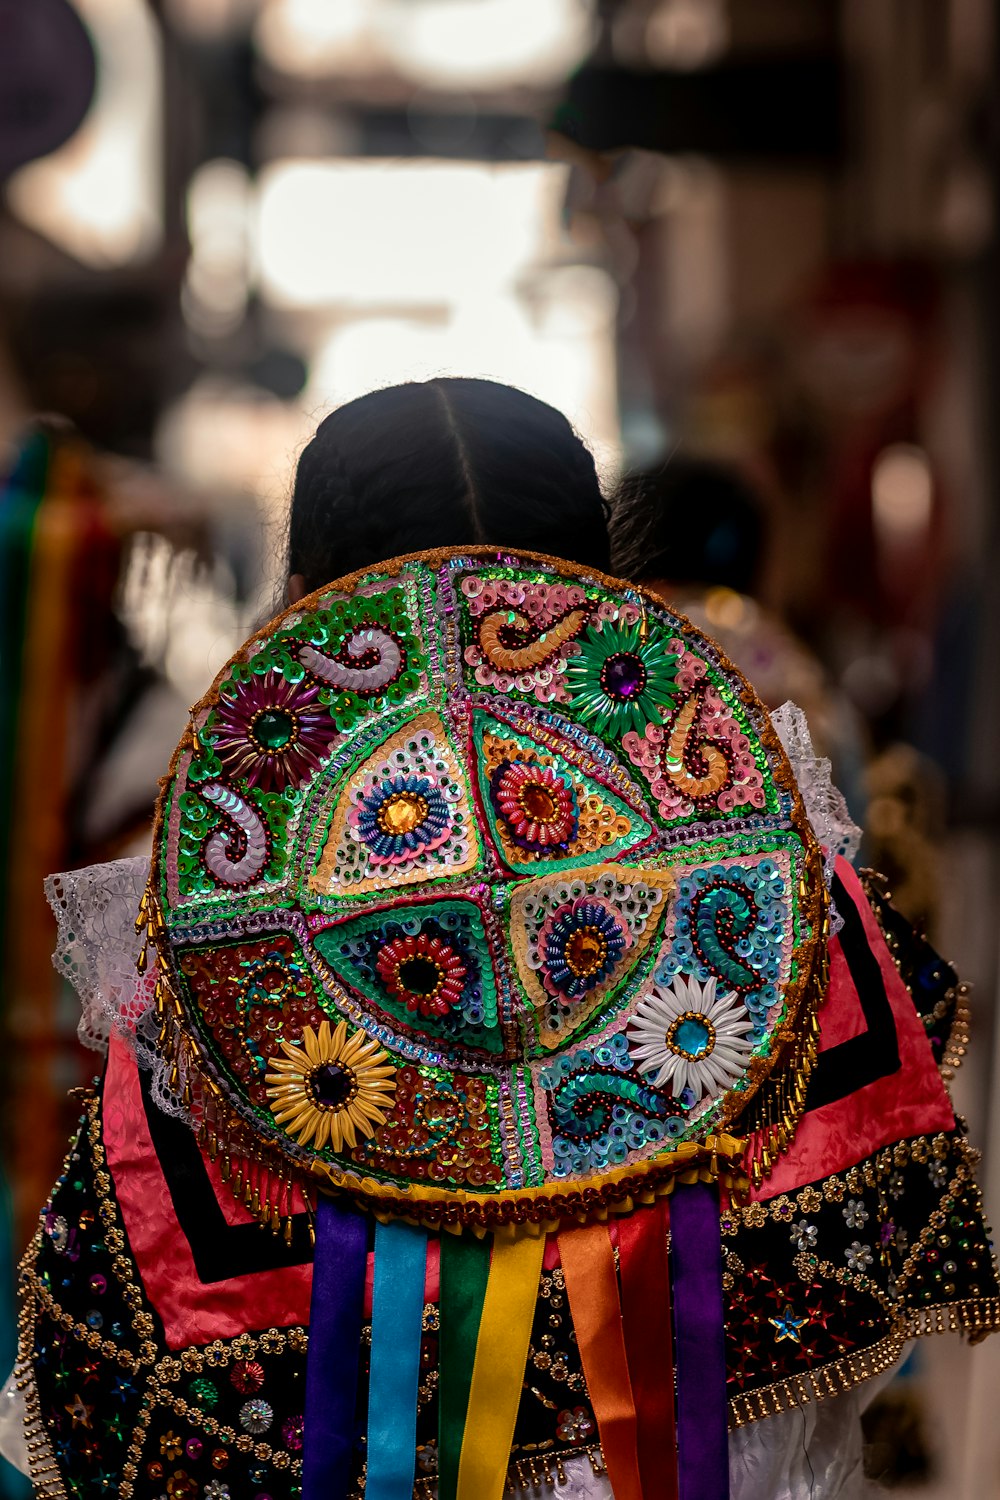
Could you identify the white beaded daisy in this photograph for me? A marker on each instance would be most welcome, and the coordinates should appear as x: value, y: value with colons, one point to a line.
x: 690, y: 1037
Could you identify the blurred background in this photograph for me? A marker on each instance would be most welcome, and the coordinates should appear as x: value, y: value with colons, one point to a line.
x: 746, y: 242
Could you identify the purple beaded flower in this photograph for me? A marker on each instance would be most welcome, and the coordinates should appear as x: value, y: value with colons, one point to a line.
x: 272, y: 732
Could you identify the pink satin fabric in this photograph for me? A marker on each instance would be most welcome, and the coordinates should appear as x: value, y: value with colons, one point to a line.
x: 912, y: 1101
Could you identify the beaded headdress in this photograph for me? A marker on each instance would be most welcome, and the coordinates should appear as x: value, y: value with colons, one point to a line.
x: 483, y: 900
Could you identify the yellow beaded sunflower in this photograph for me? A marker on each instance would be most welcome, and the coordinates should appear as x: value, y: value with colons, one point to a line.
x: 332, y: 1089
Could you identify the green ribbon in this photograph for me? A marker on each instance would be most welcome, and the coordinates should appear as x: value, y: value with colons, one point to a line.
x: 465, y: 1267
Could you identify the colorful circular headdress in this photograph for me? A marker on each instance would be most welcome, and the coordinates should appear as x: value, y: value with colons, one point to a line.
x: 482, y: 890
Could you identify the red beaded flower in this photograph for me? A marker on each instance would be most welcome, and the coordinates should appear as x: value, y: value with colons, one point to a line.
x: 424, y: 972
x: 271, y: 731
x: 537, y: 805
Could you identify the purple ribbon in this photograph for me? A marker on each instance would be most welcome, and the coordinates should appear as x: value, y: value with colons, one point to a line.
x: 336, y: 1315
x: 699, y: 1327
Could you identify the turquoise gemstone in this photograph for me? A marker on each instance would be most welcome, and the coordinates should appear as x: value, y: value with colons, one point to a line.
x: 693, y: 1038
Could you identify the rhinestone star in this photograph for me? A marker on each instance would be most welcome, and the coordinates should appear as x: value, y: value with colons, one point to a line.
x: 786, y: 1326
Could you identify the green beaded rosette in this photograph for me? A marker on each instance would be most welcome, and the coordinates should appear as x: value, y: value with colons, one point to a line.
x: 482, y: 889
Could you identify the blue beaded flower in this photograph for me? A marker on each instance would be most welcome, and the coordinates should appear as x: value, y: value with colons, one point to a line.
x: 580, y: 946
x: 402, y: 817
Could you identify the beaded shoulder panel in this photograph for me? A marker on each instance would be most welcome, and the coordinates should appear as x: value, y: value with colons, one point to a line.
x: 482, y: 889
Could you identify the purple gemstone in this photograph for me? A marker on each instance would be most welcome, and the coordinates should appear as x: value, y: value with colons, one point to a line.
x: 623, y: 675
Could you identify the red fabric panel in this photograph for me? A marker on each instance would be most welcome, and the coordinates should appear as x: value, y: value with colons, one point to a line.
x: 649, y: 1344
x: 192, y: 1312
x: 912, y: 1101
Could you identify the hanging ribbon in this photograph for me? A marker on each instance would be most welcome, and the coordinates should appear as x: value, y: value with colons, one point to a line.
x: 397, y: 1328
x: 588, y: 1262
x: 702, y: 1425
x: 465, y: 1268
x: 645, y: 1284
x: 335, y: 1319
x: 498, y: 1373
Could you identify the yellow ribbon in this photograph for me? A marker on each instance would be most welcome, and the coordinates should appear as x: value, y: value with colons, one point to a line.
x: 498, y: 1373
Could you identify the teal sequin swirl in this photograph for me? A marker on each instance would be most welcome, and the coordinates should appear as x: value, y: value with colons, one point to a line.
x: 731, y: 925
x: 599, y: 1114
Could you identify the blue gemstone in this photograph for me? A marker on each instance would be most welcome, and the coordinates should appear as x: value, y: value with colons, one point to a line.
x: 692, y: 1038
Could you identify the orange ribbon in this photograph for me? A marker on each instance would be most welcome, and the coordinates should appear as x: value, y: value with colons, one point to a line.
x: 588, y: 1263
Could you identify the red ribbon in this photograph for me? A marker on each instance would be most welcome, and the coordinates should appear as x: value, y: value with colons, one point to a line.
x: 645, y: 1284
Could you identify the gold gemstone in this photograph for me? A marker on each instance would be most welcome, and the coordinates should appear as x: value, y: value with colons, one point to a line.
x: 586, y: 951
x: 402, y: 813
x: 538, y: 803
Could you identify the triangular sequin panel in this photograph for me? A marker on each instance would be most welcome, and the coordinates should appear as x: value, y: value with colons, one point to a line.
x: 577, y: 940
x: 544, y: 810
x: 403, y: 818
x: 429, y: 967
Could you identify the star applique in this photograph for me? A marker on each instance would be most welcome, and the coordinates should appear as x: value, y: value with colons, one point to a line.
x: 79, y: 1411
x: 123, y: 1388
x: 786, y: 1326
x: 742, y: 1360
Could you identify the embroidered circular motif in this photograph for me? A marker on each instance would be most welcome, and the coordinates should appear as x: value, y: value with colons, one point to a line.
x: 482, y: 890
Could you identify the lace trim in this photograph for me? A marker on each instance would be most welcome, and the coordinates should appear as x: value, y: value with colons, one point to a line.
x: 97, y: 948
x: 826, y: 806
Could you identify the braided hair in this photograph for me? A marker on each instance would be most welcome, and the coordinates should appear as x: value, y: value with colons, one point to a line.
x: 443, y: 463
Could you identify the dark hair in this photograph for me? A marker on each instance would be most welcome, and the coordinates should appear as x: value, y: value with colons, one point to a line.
x: 443, y: 463
x: 692, y: 521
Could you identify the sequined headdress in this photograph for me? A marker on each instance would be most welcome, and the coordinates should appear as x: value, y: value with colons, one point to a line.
x: 483, y: 901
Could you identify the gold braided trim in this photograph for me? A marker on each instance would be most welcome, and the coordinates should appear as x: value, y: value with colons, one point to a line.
x: 834, y: 1379
x: 958, y: 1036
x: 529, y: 1473
x: 46, y: 1479
x: 976, y: 1317
x: 874, y: 884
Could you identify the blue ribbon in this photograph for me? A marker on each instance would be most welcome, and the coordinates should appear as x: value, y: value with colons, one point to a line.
x: 397, y: 1326
x: 336, y: 1315
x: 700, y: 1342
